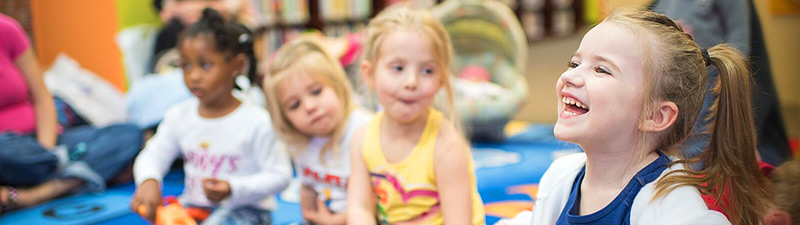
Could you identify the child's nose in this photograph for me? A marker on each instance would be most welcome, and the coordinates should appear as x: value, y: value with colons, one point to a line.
x: 410, y: 82
x: 572, y: 78
x: 194, y: 76
x: 310, y: 105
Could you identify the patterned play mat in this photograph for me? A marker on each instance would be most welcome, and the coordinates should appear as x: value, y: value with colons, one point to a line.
x: 507, y: 175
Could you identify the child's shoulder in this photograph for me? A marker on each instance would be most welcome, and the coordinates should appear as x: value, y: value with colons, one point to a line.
x: 254, y: 111
x: 562, y: 171
x: 449, y: 133
x: 449, y: 138
x: 570, y: 161
x: 357, y: 137
x: 682, y: 205
x: 182, y: 109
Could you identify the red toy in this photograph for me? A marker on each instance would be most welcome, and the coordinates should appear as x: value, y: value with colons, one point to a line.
x: 173, y: 213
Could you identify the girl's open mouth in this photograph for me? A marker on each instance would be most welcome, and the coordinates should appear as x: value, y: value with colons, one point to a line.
x: 573, y: 107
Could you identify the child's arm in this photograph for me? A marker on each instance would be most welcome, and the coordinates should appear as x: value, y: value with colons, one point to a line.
x: 275, y: 169
x: 159, y: 152
x: 360, y: 200
x: 150, y: 166
x: 453, y: 176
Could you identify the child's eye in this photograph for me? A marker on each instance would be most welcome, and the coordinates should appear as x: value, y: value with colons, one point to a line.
x: 397, y: 68
x: 601, y: 70
x: 185, y: 66
x: 572, y: 64
x: 427, y: 71
x: 294, y: 105
x: 316, y: 91
x: 206, y: 66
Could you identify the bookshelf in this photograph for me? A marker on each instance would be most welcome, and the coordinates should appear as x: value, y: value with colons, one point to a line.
x: 281, y: 20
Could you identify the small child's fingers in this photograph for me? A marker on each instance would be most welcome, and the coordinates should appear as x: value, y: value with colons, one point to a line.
x: 144, y: 210
x: 209, y: 193
x: 151, y: 213
x: 141, y: 209
x: 212, y: 184
x: 210, y: 189
x: 213, y: 195
x: 309, y: 215
x: 321, y: 205
x: 135, y: 205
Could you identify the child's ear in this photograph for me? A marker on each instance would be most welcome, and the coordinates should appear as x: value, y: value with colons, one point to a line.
x: 239, y: 61
x: 366, y: 71
x: 662, y: 118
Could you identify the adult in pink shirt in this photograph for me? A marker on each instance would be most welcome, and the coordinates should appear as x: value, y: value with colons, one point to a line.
x: 30, y: 171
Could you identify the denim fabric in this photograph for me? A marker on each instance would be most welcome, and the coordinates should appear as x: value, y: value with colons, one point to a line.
x: 238, y: 216
x: 23, y: 162
x: 95, y: 155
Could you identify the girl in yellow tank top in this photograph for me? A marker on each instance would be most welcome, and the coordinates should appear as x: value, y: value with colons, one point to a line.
x: 407, y: 190
x: 410, y: 164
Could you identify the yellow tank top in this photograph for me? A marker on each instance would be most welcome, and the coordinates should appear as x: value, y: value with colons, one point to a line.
x: 407, y: 190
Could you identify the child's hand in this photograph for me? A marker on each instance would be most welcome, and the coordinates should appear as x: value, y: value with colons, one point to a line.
x: 146, y: 199
x: 319, y: 216
x: 308, y: 199
x: 216, y: 190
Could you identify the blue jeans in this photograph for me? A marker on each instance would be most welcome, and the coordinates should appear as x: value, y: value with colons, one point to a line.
x: 244, y: 215
x: 95, y: 155
x: 238, y: 216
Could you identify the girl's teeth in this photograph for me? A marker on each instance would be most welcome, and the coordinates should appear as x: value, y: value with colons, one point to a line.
x: 571, y: 101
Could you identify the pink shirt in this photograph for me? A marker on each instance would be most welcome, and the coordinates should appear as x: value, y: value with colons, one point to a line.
x: 16, y: 108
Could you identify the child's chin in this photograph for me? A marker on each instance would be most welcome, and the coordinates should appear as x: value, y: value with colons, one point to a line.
x: 406, y: 116
x: 564, y: 133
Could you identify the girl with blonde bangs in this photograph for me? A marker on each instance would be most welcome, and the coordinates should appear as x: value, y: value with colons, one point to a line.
x: 310, y: 101
x: 410, y: 164
x: 434, y: 34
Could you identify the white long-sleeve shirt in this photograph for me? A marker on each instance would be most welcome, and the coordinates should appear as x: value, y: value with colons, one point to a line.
x: 240, y: 148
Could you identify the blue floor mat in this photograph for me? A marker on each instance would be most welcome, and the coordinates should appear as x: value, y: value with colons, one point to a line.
x: 506, y: 173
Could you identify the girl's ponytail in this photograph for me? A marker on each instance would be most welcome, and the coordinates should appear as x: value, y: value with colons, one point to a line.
x: 731, y: 161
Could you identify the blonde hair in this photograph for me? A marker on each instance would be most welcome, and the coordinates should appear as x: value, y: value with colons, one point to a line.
x: 786, y: 187
x: 676, y: 71
x: 402, y: 16
x: 305, y: 55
